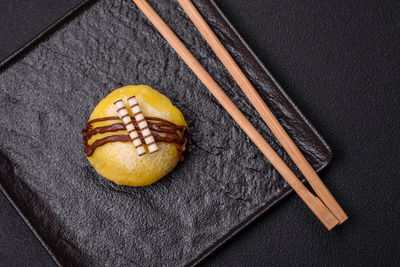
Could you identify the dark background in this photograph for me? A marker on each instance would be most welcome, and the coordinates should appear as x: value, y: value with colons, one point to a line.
x: 340, y: 63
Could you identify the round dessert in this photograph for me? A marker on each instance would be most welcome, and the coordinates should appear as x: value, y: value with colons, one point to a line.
x: 135, y: 136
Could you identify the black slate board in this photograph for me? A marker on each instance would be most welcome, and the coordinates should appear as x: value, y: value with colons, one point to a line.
x: 225, y: 183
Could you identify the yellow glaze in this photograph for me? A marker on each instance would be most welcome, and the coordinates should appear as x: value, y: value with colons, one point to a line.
x: 119, y: 161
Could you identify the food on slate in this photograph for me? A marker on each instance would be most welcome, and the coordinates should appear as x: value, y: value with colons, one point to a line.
x: 135, y: 136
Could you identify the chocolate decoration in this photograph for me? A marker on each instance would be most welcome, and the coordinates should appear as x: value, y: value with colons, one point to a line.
x: 123, y: 114
x: 168, y: 130
x: 143, y: 125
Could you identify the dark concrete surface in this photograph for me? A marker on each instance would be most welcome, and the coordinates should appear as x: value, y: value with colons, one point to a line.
x: 340, y: 63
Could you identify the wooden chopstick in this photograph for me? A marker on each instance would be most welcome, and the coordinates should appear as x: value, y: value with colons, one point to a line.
x: 293, y: 151
x: 314, y: 203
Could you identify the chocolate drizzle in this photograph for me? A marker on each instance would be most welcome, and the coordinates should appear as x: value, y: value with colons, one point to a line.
x: 162, y: 130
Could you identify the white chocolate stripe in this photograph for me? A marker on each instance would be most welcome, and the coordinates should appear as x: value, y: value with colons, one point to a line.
x: 124, y: 116
x: 135, y: 110
x: 140, y: 117
x: 123, y: 112
x: 146, y: 132
x: 132, y: 101
x: 130, y: 127
x: 143, y: 126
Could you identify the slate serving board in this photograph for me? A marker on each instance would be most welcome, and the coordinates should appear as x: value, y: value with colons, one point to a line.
x: 47, y: 96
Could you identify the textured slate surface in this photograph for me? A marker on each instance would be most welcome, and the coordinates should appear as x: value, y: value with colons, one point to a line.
x: 47, y: 96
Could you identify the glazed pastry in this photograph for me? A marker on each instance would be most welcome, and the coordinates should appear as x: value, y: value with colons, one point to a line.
x: 135, y: 136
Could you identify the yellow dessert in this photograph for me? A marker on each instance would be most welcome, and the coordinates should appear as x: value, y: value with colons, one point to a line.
x: 118, y: 160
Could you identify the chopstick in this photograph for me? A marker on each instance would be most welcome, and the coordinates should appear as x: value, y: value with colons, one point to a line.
x: 293, y: 151
x: 313, y: 202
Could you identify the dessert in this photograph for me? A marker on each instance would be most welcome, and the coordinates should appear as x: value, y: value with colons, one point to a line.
x: 135, y: 136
